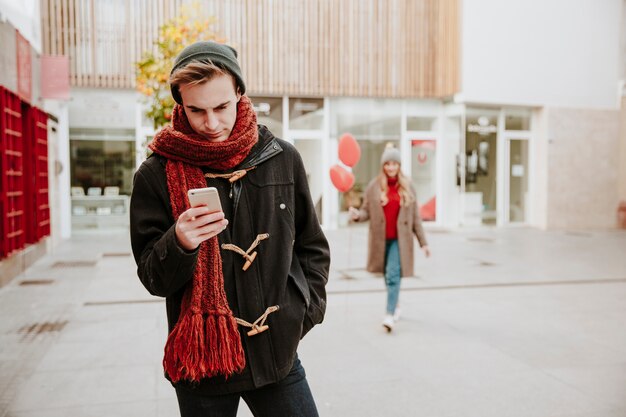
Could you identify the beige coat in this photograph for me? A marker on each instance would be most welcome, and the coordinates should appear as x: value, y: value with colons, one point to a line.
x: 409, y: 223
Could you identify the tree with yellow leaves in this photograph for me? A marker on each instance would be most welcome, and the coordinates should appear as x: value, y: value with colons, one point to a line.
x: 154, y: 68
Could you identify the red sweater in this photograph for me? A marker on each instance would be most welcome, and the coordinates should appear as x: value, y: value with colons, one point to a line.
x: 392, y: 209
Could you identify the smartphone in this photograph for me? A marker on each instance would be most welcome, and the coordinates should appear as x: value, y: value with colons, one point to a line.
x: 205, y: 197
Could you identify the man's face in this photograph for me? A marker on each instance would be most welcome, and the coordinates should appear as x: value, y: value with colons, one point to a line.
x: 211, y: 107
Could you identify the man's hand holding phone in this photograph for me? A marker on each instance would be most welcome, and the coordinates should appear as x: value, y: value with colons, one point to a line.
x: 202, y: 221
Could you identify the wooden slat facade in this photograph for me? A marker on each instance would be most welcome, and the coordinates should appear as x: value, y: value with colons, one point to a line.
x: 367, y: 48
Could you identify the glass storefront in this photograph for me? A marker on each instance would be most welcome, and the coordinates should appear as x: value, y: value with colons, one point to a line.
x: 102, y: 164
x: 469, y: 165
x: 374, y: 123
x: 493, y: 166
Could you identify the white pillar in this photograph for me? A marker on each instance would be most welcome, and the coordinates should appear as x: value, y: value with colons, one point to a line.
x: 61, y: 111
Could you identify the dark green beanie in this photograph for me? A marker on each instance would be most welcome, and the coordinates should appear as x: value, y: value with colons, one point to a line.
x: 219, y: 54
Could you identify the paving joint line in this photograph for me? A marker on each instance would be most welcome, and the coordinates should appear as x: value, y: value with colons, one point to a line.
x: 486, y: 285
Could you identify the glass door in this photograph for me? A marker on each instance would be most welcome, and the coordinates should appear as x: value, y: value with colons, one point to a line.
x: 311, y: 152
x: 424, y: 176
x: 517, y: 181
x: 420, y: 142
x: 517, y: 167
x: 480, y: 193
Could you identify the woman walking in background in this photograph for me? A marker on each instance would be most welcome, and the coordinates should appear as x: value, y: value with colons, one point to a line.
x: 390, y: 205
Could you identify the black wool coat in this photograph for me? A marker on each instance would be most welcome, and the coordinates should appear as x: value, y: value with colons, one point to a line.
x: 290, y: 270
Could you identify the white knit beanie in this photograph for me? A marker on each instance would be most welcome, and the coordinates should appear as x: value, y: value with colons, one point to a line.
x: 391, y: 153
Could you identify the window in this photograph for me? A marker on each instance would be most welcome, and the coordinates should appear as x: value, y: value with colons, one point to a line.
x: 421, y: 123
x: 306, y: 113
x: 100, y: 163
x: 269, y: 112
x: 517, y: 119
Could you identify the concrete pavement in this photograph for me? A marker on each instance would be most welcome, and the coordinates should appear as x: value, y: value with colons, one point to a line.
x: 499, y: 322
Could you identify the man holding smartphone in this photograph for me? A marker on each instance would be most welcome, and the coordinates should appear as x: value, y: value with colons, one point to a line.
x: 242, y: 285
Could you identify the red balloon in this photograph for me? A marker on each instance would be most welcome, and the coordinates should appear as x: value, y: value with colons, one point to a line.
x: 341, y: 178
x: 349, y: 150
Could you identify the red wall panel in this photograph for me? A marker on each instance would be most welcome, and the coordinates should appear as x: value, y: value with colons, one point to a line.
x: 12, y: 198
x: 24, y: 210
x: 40, y: 147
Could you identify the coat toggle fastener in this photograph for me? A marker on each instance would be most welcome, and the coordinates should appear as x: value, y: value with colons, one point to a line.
x: 231, y: 177
x: 247, y: 256
x: 259, y: 325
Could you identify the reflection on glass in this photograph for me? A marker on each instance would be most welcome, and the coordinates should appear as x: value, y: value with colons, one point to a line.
x: 420, y: 123
x: 517, y: 119
x: 306, y: 113
x: 518, y: 180
x: 99, y: 164
x: 480, y: 167
x: 373, y: 123
x: 365, y: 171
x: 269, y: 112
x: 452, y: 129
x: 364, y: 126
x: 423, y: 175
x: 311, y: 152
x: 375, y: 119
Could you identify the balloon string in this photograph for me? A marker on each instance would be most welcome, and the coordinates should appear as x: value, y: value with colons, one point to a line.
x: 349, y: 245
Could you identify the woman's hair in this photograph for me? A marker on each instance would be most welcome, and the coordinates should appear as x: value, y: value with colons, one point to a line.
x: 404, y: 188
x: 198, y: 72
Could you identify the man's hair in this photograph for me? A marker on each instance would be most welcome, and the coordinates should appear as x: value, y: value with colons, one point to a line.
x: 199, y: 72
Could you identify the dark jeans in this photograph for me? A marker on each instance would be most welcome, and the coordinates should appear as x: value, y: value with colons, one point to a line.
x: 291, y: 397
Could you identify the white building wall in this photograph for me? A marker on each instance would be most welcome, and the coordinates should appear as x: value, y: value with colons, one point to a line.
x: 565, y: 58
x: 103, y: 108
x: 583, y: 156
x: 26, y: 17
x: 622, y: 171
x: 538, y: 186
x: 563, y: 53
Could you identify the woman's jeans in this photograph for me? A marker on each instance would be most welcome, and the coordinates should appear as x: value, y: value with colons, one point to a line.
x: 392, y: 274
x: 289, y: 397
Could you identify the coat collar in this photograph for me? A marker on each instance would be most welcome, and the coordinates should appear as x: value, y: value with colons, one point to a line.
x: 267, y: 148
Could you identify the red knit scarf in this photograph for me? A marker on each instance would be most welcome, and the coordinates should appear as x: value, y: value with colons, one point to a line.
x: 205, y: 341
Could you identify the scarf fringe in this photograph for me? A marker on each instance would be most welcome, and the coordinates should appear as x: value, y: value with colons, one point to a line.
x: 231, y: 349
x: 201, y: 347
